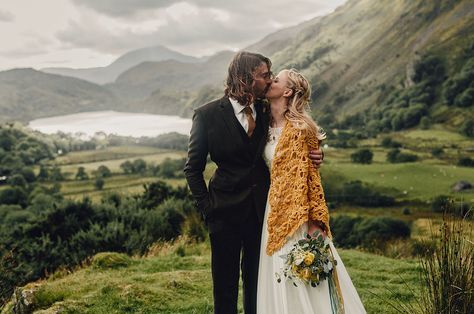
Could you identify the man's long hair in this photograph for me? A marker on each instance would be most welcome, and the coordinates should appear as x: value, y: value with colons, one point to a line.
x: 240, y: 76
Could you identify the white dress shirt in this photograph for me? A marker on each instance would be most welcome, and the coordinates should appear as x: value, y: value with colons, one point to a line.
x: 240, y: 114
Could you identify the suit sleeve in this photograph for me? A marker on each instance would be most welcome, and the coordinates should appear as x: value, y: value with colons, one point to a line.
x: 196, y: 163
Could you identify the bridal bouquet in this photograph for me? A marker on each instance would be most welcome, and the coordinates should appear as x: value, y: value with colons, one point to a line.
x: 310, y: 261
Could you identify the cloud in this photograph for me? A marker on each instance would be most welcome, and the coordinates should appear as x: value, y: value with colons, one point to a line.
x: 122, y: 8
x: 6, y: 16
x: 193, y: 27
x: 33, y: 45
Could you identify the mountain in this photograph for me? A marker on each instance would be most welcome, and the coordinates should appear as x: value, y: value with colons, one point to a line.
x: 26, y: 94
x: 108, y: 74
x: 384, y: 65
x: 171, y: 87
x: 279, y: 40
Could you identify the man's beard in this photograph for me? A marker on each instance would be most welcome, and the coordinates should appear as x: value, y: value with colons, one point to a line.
x: 263, y: 93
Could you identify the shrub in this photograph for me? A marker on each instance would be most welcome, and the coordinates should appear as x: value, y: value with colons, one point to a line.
x: 356, y: 193
x: 437, y: 152
x: 375, y: 231
x: 103, y: 171
x: 370, y: 233
x: 362, y: 156
x: 387, y: 142
x: 13, y: 195
x: 99, y: 183
x: 194, y: 227
x: 396, y: 156
x: 466, y: 162
x: 81, y: 174
x: 425, y: 123
x: 342, y: 228
x: 106, y: 260
x: 467, y: 128
x: 448, y: 272
x: 440, y: 204
x: 406, y: 211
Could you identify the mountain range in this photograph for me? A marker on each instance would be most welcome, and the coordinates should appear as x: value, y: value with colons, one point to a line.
x: 364, y: 61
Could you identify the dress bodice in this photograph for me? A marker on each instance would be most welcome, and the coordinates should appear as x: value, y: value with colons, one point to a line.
x: 272, y: 141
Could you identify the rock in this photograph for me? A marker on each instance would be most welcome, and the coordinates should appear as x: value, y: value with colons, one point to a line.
x: 461, y: 186
x: 24, y: 298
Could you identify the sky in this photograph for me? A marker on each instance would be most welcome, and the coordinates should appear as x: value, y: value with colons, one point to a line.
x: 92, y: 33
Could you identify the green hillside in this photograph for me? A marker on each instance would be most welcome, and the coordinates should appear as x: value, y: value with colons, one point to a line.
x: 177, y: 279
x: 26, y: 94
x: 383, y: 65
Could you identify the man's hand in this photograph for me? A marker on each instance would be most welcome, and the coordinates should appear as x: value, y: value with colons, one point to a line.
x: 316, y: 157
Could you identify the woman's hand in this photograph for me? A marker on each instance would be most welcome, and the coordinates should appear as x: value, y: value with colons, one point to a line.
x: 315, y: 226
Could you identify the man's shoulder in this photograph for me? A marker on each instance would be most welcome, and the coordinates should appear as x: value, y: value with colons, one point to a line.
x: 212, y: 105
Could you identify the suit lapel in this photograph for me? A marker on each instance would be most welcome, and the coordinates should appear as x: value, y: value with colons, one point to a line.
x: 230, y: 119
x: 263, y: 118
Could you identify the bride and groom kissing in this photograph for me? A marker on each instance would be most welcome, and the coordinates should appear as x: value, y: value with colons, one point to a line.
x: 266, y: 192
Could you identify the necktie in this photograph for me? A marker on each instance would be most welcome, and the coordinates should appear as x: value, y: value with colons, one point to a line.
x: 248, y: 112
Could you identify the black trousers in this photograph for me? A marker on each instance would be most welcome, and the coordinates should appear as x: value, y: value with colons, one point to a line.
x: 233, y: 248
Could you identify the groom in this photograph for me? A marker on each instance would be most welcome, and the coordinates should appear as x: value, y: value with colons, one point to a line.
x: 233, y: 130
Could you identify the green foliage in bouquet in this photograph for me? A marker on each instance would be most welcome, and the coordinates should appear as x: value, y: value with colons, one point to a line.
x: 309, y: 261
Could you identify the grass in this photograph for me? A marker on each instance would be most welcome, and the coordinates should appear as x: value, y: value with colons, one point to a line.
x: 114, y: 164
x: 108, y: 153
x: 165, y: 282
x: 122, y: 184
x: 406, y: 181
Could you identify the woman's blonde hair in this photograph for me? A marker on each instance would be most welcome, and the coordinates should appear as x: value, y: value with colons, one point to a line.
x: 298, y: 111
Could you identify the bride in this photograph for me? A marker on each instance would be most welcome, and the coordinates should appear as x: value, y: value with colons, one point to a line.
x: 295, y: 207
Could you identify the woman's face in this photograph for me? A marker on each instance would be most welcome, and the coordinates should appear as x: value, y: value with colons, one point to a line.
x: 279, y: 87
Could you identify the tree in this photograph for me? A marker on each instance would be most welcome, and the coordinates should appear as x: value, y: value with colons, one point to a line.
x: 43, y: 173
x: 139, y: 166
x: 395, y: 155
x: 28, y: 174
x: 99, y: 183
x: 81, y: 174
x: 467, y: 128
x: 362, y: 156
x: 466, y: 162
x: 127, y: 167
x: 17, y: 180
x: 103, y: 172
x: 437, y: 152
x: 13, y: 196
x: 425, y: 123
x: 56, y: 174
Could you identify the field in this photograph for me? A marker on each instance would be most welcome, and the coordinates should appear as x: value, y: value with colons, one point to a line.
x: 111, y: 157
x: 419, y: 181
x: 177, y: 279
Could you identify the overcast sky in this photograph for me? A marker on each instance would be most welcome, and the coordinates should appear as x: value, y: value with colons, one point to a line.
x: 90, y: 33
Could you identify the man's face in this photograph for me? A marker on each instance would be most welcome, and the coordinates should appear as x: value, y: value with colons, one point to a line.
x: 262, y: 80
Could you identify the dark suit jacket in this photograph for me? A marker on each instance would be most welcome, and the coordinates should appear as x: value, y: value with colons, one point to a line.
x: 240, y: 183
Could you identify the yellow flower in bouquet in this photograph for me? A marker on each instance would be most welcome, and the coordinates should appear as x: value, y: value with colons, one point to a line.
x: 309, y: 261
x: 306, y: 274
x: 309, y: 258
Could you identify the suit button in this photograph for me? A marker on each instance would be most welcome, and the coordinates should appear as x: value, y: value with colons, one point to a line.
x: 254, y: 186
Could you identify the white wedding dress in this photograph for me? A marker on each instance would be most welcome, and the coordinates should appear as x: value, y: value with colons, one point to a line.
x: 284, y: 297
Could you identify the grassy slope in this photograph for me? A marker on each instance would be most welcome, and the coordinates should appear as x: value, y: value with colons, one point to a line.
x: 372, y: 43
x: 168, y: 283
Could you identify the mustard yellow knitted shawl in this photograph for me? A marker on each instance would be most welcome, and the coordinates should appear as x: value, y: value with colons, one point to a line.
x: 296, y: 194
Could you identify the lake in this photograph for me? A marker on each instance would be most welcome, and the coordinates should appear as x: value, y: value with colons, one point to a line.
x: 113, y: 122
